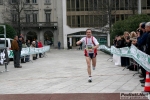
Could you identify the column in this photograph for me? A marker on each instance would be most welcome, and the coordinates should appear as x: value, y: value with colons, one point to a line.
x: 41, y: 36
x: 65, y: 41
x: 139, y: 7
x: 108, y: 39
x: 55, y: 38
x: 70, y: 40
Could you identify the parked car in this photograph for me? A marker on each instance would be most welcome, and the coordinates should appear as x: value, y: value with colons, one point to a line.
x: 8, y: 43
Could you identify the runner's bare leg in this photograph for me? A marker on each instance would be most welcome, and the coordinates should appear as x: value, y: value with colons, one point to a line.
x: 88, y: 61
x: 94, y: 62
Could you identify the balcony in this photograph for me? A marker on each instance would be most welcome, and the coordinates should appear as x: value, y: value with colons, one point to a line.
x: 36, y: 24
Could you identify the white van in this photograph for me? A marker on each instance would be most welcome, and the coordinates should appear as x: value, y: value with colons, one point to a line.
x: 8, y: 43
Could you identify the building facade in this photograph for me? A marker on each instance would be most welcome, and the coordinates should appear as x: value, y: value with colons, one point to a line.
x: 67, y: 20
x: 93, y: 14
x: 41, y: 19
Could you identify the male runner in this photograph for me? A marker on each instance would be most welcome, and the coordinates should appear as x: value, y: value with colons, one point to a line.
x: 90, y: 51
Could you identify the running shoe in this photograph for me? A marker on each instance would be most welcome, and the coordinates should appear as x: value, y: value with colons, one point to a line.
x: 90, y: 80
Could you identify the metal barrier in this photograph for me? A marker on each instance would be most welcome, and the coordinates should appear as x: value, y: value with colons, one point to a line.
x: 140, y: 57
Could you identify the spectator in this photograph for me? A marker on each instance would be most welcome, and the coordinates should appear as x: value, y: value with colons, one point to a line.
x: 148, y: 39
x: 133, y: 34
x: 33, y: 45
x: 16, y: 52
x: 20, y: 45
x: 133, y: 65
x: 23, y: 57
x: 40, y: 45
x: 142, y: 46
x: 118, y: 43
x: 36, y: 46
x: 126, y: 43
x: 68, y: 45
x: 59, y: 45
x: 27, y: 58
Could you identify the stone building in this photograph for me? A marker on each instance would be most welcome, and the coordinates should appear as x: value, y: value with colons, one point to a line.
x: 67, y: 20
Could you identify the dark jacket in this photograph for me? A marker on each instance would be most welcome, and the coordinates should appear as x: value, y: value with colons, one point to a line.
x: 20, y: 45
x: 28, y: 44
x: 36, y: 43
x: 14, y: 45
x: 142, y: 41
x: 148, y: 44
x: 126, y: 44
x: 119, y: 44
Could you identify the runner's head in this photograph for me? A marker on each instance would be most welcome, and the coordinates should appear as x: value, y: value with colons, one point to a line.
x: 88, y: 32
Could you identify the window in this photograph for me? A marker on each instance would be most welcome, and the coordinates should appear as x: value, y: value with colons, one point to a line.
x: 86, y: 5
x: 27, y: 17
x: 95, y: 3
x: 1, y: 2
x: 68, y: 5
x: 148, y: 4
x: 27, y: 1
x: 81, y: 5
x: 2, y: 43
x: 47, y: 1
x: 48, y: 17
x: 14, y: 18
x: 77, y: 5
x: 69, y: 20
x: 13, y: 1
x: 72, y: 5
x: 34, y: 1
x: 34, y: 17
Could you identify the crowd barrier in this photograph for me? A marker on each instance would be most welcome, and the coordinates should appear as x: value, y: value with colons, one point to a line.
x: 132, y: 52
x: 30, y: 51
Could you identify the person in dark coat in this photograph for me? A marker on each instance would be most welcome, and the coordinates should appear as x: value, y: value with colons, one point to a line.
x: 59, y: 45
x: 16, y: 52
x: 142, y: 45
x: 20, y: 46
x: 68, y: 45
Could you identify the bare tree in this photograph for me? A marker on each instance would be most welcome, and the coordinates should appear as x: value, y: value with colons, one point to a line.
x: 104, y: 10
x: 133, y: 6
x: 13, y: 13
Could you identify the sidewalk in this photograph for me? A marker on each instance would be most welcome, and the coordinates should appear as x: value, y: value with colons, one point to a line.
x: 64, y: 71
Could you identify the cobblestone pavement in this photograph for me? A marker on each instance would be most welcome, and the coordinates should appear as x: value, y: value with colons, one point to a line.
x: 64, y: 71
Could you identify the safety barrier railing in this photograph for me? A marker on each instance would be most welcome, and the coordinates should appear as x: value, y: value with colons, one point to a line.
x: 132, y: 52
x: 30, y: 51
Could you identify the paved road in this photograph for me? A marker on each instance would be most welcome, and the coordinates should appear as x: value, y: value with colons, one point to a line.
x: 64, y: 71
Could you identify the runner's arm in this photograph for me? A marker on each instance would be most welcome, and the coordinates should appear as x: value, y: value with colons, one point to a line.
x: 95, y: 47
x: 96, y: 43
x: 80, y: 41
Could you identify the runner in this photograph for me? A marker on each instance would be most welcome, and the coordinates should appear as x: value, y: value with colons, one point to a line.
x: 90, y: 51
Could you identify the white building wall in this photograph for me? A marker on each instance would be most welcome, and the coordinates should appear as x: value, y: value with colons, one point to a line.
x: 66, y: 29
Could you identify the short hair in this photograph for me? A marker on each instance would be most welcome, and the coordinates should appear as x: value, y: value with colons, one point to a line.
x: 147, y: 24
x: 143, y: 25
x: 126, y: 32
x: 89, y: 29
x: 15, y: 36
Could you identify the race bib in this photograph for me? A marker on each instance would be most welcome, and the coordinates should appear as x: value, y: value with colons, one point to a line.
x: 88, y: 47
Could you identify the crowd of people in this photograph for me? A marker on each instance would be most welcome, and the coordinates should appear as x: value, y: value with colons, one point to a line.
x: 18, y: 43
x: 141, y: 39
